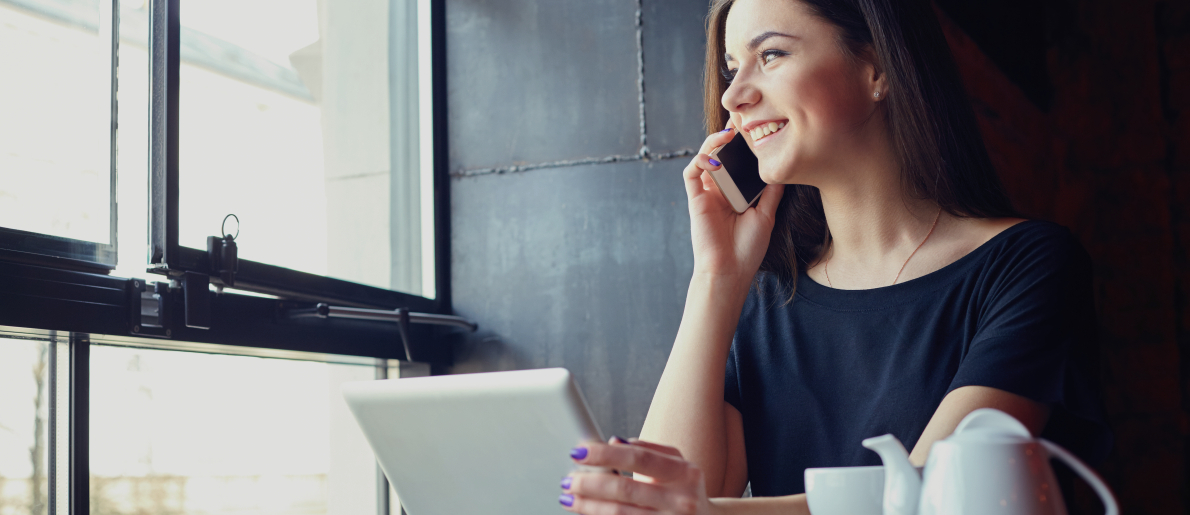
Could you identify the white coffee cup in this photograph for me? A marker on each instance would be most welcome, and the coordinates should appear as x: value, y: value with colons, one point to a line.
x: 845, y: 490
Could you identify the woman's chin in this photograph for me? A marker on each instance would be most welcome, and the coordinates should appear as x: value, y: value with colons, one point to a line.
x: 773, y: 176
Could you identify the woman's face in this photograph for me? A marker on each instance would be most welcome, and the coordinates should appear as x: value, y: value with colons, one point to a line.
x: 791, y: 72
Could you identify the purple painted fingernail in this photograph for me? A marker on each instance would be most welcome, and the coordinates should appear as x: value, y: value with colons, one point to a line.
x: 566, y: 483
x: 620, y: 440
x: 578, y: 453
x: 725, y: 130
x: 567, y: 500
x: 714, y: 162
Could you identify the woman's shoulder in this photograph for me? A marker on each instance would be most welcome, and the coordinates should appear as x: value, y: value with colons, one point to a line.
x: 1033, y: 252
x: 1033, y: 239
x: 1015, y: 233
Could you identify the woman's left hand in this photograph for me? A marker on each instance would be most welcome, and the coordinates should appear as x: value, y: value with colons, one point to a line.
x: 673, y: 485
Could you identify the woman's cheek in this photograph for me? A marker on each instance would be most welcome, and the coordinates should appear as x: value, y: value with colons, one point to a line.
x: 831, y: 101
x: 777, y: 168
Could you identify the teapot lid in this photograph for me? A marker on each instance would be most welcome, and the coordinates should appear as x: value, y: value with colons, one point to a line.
x: 988, y: 425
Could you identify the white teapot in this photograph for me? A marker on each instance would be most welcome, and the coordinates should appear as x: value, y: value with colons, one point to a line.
x: 989, y: 465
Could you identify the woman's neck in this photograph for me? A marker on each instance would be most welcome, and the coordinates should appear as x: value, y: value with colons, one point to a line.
x: 868, y: 225
x: 874, y: 227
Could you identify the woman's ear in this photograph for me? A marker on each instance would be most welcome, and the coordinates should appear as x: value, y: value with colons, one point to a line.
x: 873, y: 74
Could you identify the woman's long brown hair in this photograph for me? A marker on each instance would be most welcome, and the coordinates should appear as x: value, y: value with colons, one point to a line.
x: 932, y: 126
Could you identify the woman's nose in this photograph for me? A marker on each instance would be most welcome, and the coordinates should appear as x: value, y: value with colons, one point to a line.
x: 739, y: 95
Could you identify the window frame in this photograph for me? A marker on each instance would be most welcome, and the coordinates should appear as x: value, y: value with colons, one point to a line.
x: 168, y: 257
x: 72, y: 298
x: 57, y: 251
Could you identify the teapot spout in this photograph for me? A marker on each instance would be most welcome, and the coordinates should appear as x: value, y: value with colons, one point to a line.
x: 902, y: 484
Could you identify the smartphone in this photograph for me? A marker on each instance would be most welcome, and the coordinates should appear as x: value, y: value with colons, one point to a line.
x: 739, y: 177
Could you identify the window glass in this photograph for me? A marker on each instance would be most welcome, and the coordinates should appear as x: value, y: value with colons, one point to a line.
x: 189, y: 433
x: 301, y: 117
x: 55, y: 119
x: 24, y: 426
x: 132, y: 141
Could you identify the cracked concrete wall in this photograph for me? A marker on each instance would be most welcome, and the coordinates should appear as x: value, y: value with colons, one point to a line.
x: 570, y: 123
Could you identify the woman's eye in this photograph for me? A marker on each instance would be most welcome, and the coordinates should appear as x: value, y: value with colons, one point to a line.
x: 728, y: 75
x: 768, y: 56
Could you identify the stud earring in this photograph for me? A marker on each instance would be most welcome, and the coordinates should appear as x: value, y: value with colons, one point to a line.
x: 876, y: 94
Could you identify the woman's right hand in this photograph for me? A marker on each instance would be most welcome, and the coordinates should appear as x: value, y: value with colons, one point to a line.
x: 726, y: 243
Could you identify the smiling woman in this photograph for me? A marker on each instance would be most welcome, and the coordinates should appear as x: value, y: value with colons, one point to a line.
x: 883, y: 284
x: 926, y: 118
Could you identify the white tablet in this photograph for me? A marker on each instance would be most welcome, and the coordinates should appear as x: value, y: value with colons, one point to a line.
x: 491, y: 443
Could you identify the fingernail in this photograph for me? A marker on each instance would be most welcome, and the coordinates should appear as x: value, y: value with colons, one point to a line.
x: 714, y: 162
x: 725, y: 130
x: 578, y: 453
x: 566, y: 483
x: 567, y: 500
x: 620, y: 440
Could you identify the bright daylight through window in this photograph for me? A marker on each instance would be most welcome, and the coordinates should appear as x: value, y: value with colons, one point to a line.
x: 303, y: 119
x: 181, y: 432
x: 24, y: 427
x: 310, y: 121
x: 55, y: 120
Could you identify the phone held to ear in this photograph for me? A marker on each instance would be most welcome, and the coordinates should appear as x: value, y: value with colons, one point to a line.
x: 739, y: 177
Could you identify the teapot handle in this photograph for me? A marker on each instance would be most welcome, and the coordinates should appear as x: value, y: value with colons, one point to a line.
x: 1088, y: 475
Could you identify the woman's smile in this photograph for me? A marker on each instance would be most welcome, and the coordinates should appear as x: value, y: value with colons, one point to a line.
x: 761, y: 131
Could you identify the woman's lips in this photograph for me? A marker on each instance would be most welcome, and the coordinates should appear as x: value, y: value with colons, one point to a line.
x: 763, y: 131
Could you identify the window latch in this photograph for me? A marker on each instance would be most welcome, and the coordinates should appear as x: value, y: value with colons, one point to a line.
x: 223, y: 254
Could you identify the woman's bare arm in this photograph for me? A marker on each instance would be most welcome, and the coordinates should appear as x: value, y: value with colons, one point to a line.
x: 958, y: 403
x: 786, y: 505
x: 688, y: 411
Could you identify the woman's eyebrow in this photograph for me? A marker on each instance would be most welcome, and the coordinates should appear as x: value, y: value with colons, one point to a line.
x: 756, y: 41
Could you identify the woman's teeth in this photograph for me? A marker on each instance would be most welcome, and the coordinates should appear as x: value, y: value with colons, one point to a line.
x: 766, y: 129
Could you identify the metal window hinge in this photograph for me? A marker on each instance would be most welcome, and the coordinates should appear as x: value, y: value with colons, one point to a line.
x: 149, y: 303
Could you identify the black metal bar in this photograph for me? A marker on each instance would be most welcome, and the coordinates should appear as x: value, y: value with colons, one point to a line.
x: 51, y: 299
x: 80, y: 426
x: 54, y: 421
x: 18, y: 246
x: 113, y: 164
x: 382, y: 315
x: 62, y: 300
x: 441, y: 158
x: 450, y: 320
x: 256, y: 322
x: 382, y: 499
x: 164, y: 63
x: 196, y: 289
x: 403, y: 329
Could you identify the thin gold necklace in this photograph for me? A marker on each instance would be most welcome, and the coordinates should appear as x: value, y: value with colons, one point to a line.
x: 826, y: 266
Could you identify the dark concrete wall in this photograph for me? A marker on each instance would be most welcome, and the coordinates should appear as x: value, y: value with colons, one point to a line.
x: 569, y: 125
